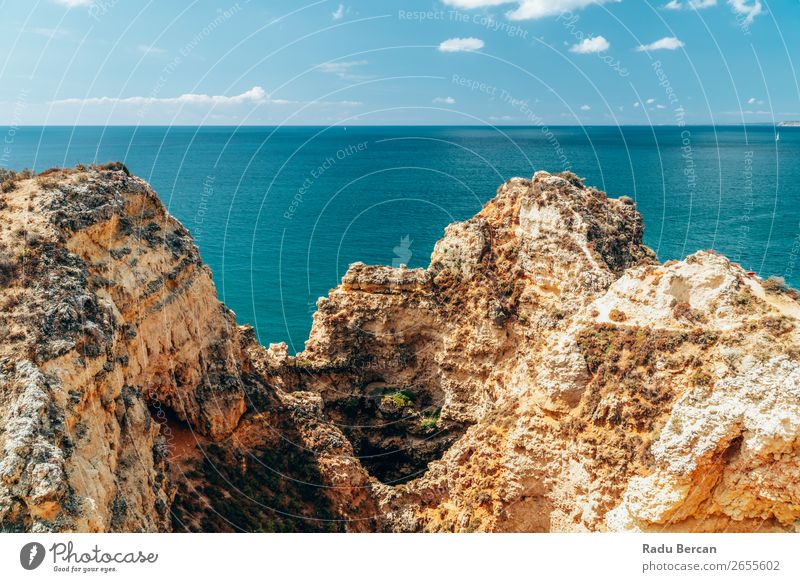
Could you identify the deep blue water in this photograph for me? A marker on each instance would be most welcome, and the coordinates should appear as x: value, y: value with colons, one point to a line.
x: 280, y: 213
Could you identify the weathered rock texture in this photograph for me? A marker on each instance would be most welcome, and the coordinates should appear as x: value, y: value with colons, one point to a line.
x: 545, y: 373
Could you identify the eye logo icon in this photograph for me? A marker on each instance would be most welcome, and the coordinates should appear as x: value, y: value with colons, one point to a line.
x: 31, y: 555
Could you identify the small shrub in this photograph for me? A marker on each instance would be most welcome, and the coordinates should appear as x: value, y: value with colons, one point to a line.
x: 683, y: 310
x: 775, y: 285
x: 8, y: 268
x: 743, y: 298
x: 428, y: 422
x: 617, y: 315
x: 47, y: 183
x: 777, y: 325
x: 9, y: 178
x: 573, y: 179
x: 115, y: 167
x: 399, y: 398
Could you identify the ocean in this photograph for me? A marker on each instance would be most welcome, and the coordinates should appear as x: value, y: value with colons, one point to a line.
x: 279, y: 213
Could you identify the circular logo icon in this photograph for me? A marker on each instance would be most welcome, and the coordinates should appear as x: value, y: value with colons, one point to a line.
x: 31, y: 555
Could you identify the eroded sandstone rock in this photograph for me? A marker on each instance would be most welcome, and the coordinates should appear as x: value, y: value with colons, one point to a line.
x: 544, y: 373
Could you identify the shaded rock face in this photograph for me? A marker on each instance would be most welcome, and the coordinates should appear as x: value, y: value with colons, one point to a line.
x: 544, y: 373
x: 109, y: 314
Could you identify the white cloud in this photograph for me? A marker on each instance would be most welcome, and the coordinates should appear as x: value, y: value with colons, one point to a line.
x: 585, y: 108
x: 445, y: 100
x: 746, y: 9
x: 338, y: 13
x: 475, y: 3
x: 587, y: 46
x: 650, y: 101
x: 342, y: 69
x: 749, y: 112
x: 659, y: 106
x: 530, y: 9
x: 754, y: 101
x: 669, y: 43
x: 689, y: 4
x: 456, y: 45
x: 637, y: 104
x: 500, y: 118
x: 256, y: 95
x: 74, y: 3
x: 150, y: 50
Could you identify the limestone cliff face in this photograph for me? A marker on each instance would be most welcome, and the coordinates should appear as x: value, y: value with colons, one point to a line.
x: 106, y: 309
x: 544, y: 373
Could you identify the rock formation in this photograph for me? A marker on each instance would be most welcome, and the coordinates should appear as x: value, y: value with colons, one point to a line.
x: 544, y: 373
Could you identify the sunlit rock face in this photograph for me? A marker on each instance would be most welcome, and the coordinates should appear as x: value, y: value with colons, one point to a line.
x: 544, y: 373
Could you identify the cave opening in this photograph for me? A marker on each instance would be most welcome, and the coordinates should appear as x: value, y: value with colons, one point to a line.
x: 396, y: 431
x: 181, y: 440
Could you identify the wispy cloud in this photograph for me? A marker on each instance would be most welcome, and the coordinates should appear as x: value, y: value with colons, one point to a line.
x: 689, y: 4
x: 74, y: 3
x: 530, y: 9
x: 650, y: 101
x: 468, y: 4
x: 255, y: 96
x: 445, y: 100
x: 669, y: 43
x: 343, y: 69
x: 754, y: 101
x: 585, y: 108
x: 751, y: 112
x: 456, y: 45
x: 746, y: 9
x: 338, y: 14
x: 150, y: 50
x: 596, y: 44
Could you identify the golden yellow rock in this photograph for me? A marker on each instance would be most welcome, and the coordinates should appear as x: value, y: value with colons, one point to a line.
x: 544, y: 373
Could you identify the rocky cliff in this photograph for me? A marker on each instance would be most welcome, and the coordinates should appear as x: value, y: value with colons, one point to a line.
x: 544, y: 373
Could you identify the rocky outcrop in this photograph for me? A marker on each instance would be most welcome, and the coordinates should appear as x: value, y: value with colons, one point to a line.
x: 544, y: 373
x: 107, y: 310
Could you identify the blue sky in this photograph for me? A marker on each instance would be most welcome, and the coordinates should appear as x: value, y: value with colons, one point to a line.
x: 97, y: 62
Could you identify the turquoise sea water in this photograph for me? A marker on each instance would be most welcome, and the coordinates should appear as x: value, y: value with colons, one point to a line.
x: 279, y: 213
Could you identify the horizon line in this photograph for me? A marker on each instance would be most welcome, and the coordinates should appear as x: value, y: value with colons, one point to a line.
x: 316, y: 125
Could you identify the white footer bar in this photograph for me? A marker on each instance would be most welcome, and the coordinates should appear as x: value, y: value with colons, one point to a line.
x: 400, y: 557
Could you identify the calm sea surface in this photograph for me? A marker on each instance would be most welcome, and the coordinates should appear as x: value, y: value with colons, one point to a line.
x: 279, y: 213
